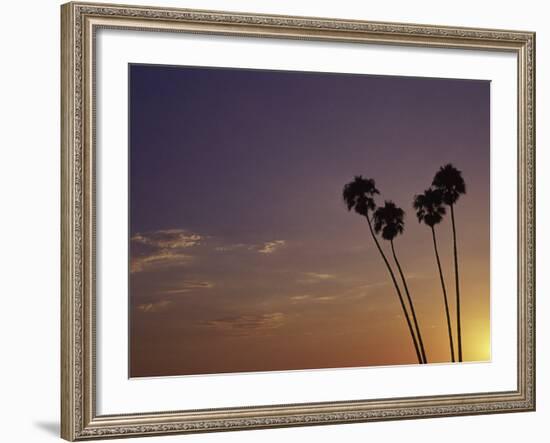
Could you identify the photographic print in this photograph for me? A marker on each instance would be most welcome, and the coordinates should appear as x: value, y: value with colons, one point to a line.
x: 285, y: 220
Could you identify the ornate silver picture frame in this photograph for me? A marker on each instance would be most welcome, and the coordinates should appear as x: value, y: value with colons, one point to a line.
x: 80, y: 23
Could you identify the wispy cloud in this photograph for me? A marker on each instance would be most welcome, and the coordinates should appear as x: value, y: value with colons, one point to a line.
x: 154, y: 306
x: 343, y: 292
x: 366, y: 289
x: 165, y: 247
x: 308, y: 298
x: 168, y: 239
x: 232, y: 247
x: 188, y: 286
x: 302, y: 297
x: 315, y: 277
x: 326, y: 298
x: 158, y: 259
x: 248, y: 324
x: 416, y: 276
x: 268, y: 247
x: 271, y: 246
x: 172, y: 247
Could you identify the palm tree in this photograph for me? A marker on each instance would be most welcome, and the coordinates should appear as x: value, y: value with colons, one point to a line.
x: 359, y: 195
x: 449, y: 181
x: 388, y: 219
x: 430, y: 210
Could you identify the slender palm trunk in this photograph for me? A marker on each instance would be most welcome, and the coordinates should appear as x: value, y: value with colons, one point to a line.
x: 419, y: 335
x: 405, y: 313
x: 458, y: 323
x: 444, y: 297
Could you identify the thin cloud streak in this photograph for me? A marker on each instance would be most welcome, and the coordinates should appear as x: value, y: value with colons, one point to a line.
x: 162, y: 248
x: 171, y: 247
x: 158, y: 259
x: 154, y: 307
x: 168, y: 239
x: 188, y: 286
x: 247, y: 324
x: 271, y: 246
x: 316, y: 277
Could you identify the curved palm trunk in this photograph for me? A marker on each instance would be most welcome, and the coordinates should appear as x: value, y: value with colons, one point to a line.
x: 419, y: 335
x: 398, y: 291
x: 444, y: 297
x: 458, y: 324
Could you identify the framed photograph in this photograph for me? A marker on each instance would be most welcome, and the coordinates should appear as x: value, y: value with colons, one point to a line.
x: 283, y: 221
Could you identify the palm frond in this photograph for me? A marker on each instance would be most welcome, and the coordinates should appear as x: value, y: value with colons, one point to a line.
x: 450, y: 182
x: 359, y: 195
x: 429, y: 206
x: 389, y: 220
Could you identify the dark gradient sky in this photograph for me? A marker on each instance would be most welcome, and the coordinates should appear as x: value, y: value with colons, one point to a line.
x: 243, y: 255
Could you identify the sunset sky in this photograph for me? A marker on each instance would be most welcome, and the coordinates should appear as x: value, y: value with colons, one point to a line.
x: 243, y: 255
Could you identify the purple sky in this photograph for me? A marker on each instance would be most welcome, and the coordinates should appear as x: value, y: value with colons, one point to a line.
x: 241, y: 242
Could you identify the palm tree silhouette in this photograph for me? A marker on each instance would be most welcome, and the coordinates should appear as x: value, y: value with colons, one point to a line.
x: 430, y: 210
x: 389, y: 219
x: 359, y: 195
x: 448, y: 180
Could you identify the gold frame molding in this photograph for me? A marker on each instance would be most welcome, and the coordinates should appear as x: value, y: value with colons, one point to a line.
x: 79, y: 22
